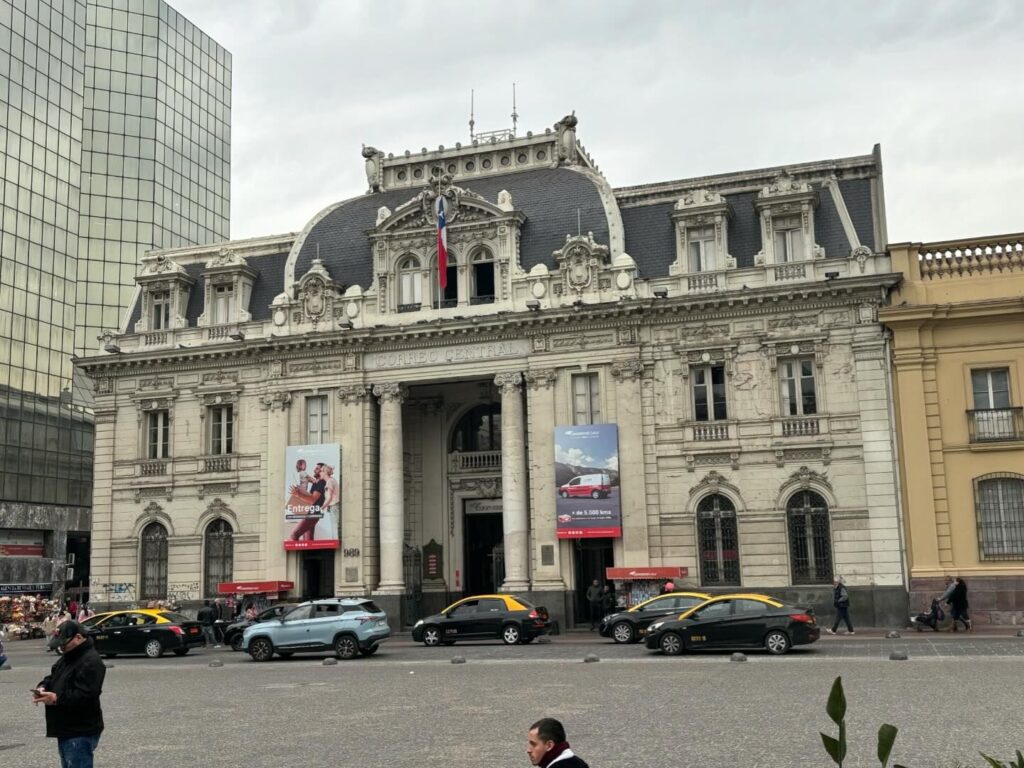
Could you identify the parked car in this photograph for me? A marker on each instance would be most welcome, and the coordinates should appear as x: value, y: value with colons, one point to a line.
x: 631, y: 625
x: 735, y: 622
x: 233, y: 632
x: 346, y: 626
x: 146, y: 630
x: 598, y: 486
x: 484, y: 617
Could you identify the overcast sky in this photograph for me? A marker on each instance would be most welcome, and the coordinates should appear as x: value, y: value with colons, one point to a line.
x: 663, y: 90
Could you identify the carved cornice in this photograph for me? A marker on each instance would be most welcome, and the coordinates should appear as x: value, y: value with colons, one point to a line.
x: 542, y: 378
x: 354, y: 393
x: 627, y: 370
x: 509, y: 383
x: 390, y: 392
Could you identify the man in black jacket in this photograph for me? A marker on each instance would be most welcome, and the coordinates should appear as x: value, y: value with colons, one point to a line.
x: 71, y: 693
x: 546, y: 746
x: 206, y: 618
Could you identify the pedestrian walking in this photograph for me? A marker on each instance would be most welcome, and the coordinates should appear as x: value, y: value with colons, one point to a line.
x: 841, y: 601
x: 958, y: 605
x: 607, y: 600
x: 206, y: 617
x: 594, y: 601
x: 71, y: 695
x: 546, y: 745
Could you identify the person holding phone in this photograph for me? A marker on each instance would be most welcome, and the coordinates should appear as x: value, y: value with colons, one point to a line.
x: 71, y: 695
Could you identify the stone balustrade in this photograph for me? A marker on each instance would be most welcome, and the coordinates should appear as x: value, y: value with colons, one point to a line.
x: 965, y: 258
x: 475, y: 461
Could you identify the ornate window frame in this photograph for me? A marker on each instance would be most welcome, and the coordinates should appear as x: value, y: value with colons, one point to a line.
x: 696, y: 211
x: 158, y: 275
x: 785, y: 198
x: 227, y: 268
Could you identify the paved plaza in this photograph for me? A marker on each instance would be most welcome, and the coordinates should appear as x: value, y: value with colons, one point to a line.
x: 410, y: 706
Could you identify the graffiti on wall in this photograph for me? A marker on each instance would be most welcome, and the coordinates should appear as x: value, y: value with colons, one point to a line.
x: 181, y: 591
x: 111, y: 592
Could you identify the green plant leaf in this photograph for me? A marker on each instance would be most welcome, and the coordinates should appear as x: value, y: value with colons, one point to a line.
x: 833, y: 747
x: 1020, y: 761
x: 992, y: 761
x: 886, y: 738
x: 836, y: 706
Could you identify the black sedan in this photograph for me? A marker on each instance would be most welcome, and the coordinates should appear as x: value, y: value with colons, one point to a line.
x: 144, y: 630
x: 234, y: 630
x: 630, y: 625
x: 483, y: 617
x: 735, y: 622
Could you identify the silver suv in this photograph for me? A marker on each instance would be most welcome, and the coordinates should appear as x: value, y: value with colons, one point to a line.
x: 346, y: 625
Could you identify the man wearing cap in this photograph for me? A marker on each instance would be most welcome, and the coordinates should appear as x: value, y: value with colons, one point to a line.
x: 71, y: 693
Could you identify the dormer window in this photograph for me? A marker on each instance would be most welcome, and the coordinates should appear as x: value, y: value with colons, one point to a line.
x: 410, y: 285
x: 223, y: 304
x: 160, y: 303
x: 702, y: 249
x: 229, y: 281
x: 482, y: 287
x: 789, y: 239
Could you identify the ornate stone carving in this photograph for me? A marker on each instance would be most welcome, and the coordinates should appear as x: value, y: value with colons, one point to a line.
x: 354, y: 393
x: 579, y: 261
x: 627, y: 370
x: 784, y: 185
x: 713, y: 482
x: 566, y: 139
x: 220, y: 377
x: 508, y: 382
x: 157, y: 382
x: 861, y: 254
x: 317, y: 294
x: 541, y: 379
x: 483, y: 487
x: 206, y: 489
x: 225, y: 258
x: 804, y: 478
x: 374, y: 163
x: 390, y: 392
x: 275, y: 401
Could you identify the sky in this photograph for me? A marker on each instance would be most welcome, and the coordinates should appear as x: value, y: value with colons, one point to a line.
x: 663, y: 89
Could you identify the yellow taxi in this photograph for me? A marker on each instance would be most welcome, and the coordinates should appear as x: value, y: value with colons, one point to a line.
x: 630, y: 625
x: 148, y: 631
x: 484, y: 617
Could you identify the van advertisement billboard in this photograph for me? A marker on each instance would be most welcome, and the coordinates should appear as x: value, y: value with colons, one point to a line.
x: 312, y: 496
x: 587, y: 482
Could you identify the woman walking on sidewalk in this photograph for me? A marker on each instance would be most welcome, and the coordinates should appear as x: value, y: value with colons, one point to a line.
x: 841, y: 601
x: 958, y: 605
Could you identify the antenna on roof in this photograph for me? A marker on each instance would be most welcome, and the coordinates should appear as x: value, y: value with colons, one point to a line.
x: 472, y: 122
x: 515, y: 115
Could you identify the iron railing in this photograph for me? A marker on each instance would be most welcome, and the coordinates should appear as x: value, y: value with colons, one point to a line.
x: 987, y: 425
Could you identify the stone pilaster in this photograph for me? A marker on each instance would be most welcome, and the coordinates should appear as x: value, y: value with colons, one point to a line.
x: 277, y: 405
x: 349, y: 572
x: 547, y: 574
x: 392, y: 488
x: 632, y: 477
x: 515, y: 520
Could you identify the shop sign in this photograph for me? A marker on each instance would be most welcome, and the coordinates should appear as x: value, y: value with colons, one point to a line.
x: 25, y: 589
x: 646, y: 572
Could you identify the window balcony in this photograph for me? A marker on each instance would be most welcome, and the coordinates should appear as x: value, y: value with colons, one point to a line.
x: 697, y: 282
x: 801, y: 427
x: 475, y: 300
x: 155, y: 339
x: 995, y: 425
x: 153, y: 468
x: 474, y: 461
x: 215, y: 464
x: 710, y: 430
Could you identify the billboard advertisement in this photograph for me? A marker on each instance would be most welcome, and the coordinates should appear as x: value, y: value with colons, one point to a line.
x: 312, y: 496
x: 587, y: 482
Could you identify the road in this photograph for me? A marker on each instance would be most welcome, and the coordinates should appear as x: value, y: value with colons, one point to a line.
x: 410, y: 706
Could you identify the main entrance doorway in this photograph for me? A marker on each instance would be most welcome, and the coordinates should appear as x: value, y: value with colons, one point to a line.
x: 483, y: 547
x: 592, y: 557
x: 317, y: 568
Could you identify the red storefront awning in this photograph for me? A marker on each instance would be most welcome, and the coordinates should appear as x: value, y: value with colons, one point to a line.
x: 646, y: 572
x: 253, y: 587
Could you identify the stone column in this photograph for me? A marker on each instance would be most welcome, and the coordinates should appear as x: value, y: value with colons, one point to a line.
x: 632, y: 472
x: 515, y: 519
x: 392, y: 489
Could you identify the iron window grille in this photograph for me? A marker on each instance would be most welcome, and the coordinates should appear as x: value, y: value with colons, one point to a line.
x: 993, y: 425
x: 718, y: 540
x: 219, y: 555
x: 999, y: 506
x: 154, y: 562
x: 810, y: 538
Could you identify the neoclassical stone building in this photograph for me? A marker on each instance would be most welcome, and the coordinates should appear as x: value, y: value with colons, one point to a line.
x: 726, y: 324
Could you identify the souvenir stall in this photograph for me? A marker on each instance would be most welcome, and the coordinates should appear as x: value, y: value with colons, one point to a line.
x: 22, y: 615
x: 635, y: 585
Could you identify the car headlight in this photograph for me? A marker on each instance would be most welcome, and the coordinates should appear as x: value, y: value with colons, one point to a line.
x: 655, y: 626
x: 418, y: 623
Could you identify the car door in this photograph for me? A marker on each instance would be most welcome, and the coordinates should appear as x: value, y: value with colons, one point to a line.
x: 490, y: 616
x: 459, y: 621
x: 138, y: 630
x: 704, y: 627
x: 658, y: 608
x: 747, y: 625
x: 109, y: 637
x: 324, y: 624
x: 293, y: 630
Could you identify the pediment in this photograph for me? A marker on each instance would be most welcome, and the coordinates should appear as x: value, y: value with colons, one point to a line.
x: 465, y: 207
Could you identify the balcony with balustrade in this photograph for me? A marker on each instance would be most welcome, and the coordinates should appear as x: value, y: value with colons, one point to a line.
x: 474, y: 462
x: 995, y: 425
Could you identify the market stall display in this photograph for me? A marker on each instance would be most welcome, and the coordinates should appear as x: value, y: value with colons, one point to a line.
x: 638, y: 584
x: 22, y: 616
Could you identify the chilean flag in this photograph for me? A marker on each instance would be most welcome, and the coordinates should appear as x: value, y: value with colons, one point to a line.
x: 442, y: 241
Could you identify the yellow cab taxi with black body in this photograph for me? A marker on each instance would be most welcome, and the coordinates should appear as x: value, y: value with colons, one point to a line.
x: 735, y: 622
x: 484, y: 617
x: 147, y: 631
x: 630, y: 625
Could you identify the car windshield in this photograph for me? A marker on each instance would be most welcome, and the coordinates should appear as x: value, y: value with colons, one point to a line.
x: 94, y: 620
x: 177, y: 618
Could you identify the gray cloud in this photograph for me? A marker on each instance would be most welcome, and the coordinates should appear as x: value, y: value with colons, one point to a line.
x: 663, y: 90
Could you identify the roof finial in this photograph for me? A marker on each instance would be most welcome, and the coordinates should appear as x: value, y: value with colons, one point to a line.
x: 515, y: 115
x: 472, y: 122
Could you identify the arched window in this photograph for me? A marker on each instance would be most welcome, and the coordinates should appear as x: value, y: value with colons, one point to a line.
x: 482, y: 288
x: 810, y: 539
x: 154, y: 563
x: 410, y: 284
x: 478, y: 430
x: 999, y: 506
x: 219, y: 555
x: 450, y: 298
x: 716, y: 535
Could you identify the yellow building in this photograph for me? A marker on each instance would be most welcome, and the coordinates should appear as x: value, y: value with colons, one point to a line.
x: 958, y: 354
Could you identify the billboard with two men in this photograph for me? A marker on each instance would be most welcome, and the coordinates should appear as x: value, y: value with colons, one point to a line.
x: 312, y: 497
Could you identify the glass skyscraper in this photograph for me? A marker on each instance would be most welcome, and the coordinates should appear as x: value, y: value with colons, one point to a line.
x: 114, y: 139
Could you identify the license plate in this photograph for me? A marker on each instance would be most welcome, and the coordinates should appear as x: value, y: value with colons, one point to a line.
x: 193, y: 631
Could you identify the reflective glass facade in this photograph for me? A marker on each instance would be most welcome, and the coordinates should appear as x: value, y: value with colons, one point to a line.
x: 155, y: 150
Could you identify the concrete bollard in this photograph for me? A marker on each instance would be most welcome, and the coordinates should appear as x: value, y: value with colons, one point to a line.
x: 590, y: 658
x: 330, y: 662
x: 893, y: 635
x: 898, y: 656
x: 738, y: 657
x: 216, y: 663
x: 1020, y: 633
x: 458, y: 659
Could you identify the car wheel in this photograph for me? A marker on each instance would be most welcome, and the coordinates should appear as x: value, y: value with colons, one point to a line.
x: 671, y: 644
x: 346, y: 647
x: 776, y: 642
x: 622, y: 632
x: 595, y: 494
x: 510, y: 634
x: 154, y: 649
x: 431, y: 636
x: 371, y: 650
x: 564, y: 494
x: 236, y: 642
x: 180, y: 651
x: 261, y: 649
